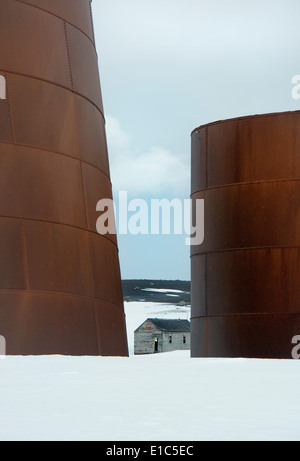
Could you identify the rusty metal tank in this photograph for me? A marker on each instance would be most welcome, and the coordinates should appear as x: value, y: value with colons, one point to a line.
x: 245, y: 288
x: 60, y: 284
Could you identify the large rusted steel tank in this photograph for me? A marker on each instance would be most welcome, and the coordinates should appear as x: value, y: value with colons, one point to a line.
x: 60, y: 285
x: 246, y: 274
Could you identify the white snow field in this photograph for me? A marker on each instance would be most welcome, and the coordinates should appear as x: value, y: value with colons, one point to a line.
x: 162, y: 397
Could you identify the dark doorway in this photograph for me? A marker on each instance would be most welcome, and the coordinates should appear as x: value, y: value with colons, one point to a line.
x: 156, y: 345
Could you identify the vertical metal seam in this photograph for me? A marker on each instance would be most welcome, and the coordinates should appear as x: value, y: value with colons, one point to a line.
x: 97, y: 330
x: 56, y: 16
x: 25, y: 257
x: 206, y: 186
x: 76, y: 126
x: 92, y: 23
x: 84, y: 195
x: 206, y: 158
x: 10, y: 109
x: 206, y: 285
x: 69, y: 55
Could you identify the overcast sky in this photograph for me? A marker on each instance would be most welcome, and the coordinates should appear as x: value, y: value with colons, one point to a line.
x: 168, y: 66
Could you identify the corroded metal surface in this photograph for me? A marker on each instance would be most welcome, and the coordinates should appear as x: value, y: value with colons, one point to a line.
x: 60, y: 285
x: 245, y: 276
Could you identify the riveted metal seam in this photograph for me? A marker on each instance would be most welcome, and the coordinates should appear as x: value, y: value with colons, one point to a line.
x: 97, y: 329
x: 206, y: 182
x: 24, y: 218
x: 69, y: 55
x: 40, y: 79
x: 252, y: 314
x: 247, y: 117
x: 58, y: 17
x: 10, y: 109
x: 206, y: 157
x: 206, y: 285
x: 83, y: 185
x: 59, y: 153
x: 24, y: 256
x: 63, y: 294
x: 266, y: 247
x: 246, y: 183
x: 92, y: 23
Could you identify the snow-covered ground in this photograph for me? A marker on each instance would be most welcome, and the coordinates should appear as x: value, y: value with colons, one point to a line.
x: 138, y: 312
x: 162, y: 397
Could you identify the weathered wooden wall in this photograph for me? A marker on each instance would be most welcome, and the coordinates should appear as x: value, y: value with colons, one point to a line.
x: 144, y: 339
x: 177, y: 341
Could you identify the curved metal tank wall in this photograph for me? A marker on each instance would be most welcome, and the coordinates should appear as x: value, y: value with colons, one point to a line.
x: 60, y: 285
x: 246, y: 274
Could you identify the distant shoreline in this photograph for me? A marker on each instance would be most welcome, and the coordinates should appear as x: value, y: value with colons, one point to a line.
x: 160, y: 291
